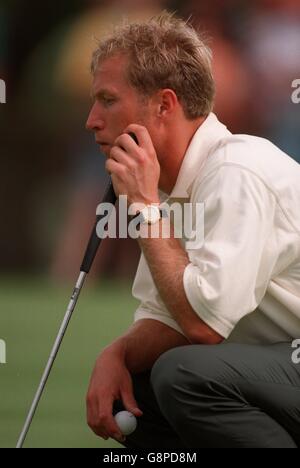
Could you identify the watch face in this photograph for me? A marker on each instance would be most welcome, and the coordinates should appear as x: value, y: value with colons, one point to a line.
x: 151, y: 214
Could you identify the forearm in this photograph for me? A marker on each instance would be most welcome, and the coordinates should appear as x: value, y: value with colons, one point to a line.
x: 144, y: 342
x: 167, y: 261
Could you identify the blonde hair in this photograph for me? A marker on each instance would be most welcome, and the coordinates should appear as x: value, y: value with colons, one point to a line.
x: 164, y: 52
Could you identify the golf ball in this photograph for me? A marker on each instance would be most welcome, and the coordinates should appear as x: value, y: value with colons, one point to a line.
x: 126, y: 422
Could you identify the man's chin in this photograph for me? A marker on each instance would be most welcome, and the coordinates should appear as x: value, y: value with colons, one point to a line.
x: 105, y: 149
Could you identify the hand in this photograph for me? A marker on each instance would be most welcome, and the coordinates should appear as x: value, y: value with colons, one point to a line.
x: 110, y: 381
x: 135, y: 169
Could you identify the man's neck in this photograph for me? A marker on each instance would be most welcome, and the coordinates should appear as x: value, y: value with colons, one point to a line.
x: 177, y: 146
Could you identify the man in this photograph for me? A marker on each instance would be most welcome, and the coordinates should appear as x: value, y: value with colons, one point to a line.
x: 207, y: 362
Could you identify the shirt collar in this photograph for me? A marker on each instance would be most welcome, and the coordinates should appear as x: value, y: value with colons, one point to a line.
x: 205, y: 138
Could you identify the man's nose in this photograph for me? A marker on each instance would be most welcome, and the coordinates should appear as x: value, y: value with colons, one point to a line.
x: 94, y: 121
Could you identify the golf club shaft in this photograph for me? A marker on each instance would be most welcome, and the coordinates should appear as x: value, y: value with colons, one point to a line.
x: 52, y: 357
x: 91, y: 250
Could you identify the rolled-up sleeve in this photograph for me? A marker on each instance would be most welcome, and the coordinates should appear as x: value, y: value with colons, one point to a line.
x: 228, y: 276
x: 143, y: 312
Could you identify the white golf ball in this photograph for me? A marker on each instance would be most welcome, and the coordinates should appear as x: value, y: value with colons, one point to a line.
x: 126, y: 422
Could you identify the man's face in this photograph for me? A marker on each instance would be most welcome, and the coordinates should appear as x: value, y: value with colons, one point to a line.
x: 116, y: 103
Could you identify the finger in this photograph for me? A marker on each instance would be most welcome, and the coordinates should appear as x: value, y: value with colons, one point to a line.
x: 100, y: 418
x: 107, y: 421
x: 127, y: 143
x: 92, y: 416
x: 130, y: 402
x: 142, y: 135
x: 121, y: 157
x: 114, y: 167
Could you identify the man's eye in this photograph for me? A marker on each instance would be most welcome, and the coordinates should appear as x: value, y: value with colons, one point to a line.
x: 108, y: 101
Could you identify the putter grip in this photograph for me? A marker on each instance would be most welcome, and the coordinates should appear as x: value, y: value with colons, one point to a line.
x: 94, y: 242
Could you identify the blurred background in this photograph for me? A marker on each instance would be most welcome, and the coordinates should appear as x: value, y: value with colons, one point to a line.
x: 52, y: 178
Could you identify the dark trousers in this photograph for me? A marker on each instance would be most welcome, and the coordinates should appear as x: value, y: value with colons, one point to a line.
x: 228, y: 395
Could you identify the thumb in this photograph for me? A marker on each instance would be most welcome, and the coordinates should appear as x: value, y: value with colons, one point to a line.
x: 130, y: 403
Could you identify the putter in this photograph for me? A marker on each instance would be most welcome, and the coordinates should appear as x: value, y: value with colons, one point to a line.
x: 90, y: 253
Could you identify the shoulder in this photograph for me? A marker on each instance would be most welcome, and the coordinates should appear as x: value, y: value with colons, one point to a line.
x: 249, y: 157
x: 247, y: 151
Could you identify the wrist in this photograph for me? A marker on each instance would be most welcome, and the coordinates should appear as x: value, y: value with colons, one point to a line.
x: 147, y: 214
x: 140, y: 202
x: 117, y: 349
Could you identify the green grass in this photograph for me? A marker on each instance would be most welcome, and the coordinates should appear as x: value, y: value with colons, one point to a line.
x: 31, y: 312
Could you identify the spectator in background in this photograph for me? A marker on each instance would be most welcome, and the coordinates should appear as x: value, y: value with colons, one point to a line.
x: 256, y: 50
x: 230, y: 69
x: 27, y: 133
x: 271, y: 46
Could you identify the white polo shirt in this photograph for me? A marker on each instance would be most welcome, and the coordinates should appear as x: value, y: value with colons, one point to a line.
x: 244, y: 281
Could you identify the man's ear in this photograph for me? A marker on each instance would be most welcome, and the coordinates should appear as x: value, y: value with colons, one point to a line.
x: 167, y: 102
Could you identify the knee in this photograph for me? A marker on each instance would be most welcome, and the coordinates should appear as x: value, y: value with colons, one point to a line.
x: 163, y: 370
x: 167, y: 376
x: 186, y: 369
